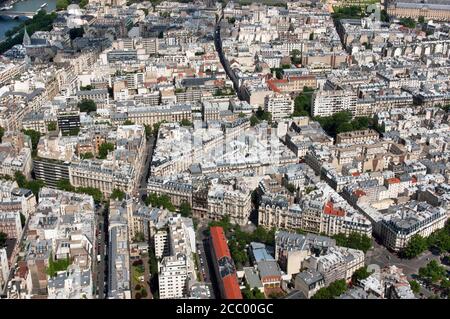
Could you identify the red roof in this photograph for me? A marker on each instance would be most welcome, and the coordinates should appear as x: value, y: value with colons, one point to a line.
x: 219, y: 242
x: 229, y: 282
x: 356, y: 174
x: 359, y: 193
x: 414, y: 179
x: 393, y: 180
x: 231, y: 287
x: 330, y: 210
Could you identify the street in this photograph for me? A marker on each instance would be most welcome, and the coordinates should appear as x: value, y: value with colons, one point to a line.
x: 380, y: 256
x: 100, y: 267
x: 145, y: 173
x: 206, y: 268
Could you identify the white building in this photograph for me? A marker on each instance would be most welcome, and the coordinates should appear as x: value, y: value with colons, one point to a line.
x: 327, y: 103
x: 280, y: 105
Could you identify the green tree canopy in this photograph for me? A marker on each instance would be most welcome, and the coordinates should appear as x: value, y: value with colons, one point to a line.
x: 354, y: 240
x: 104, y: 149
x: 416, y: 245
x: 185, y: 122
x: 76, y: 33
x: 302, y: 102
x: 160, y: 201
x: 62, y: 4
x: 87, y: 155
x: 87, y: 106
x: 35, y: 136
x: 64, y: 185
x: 360, y: 274
x: 2, y: 132
x: 433, y: 272
x: 185, y: 209
x: 335, y: 289
x: 415, y: 286
x: 117, y: 194
x: 52, y: 126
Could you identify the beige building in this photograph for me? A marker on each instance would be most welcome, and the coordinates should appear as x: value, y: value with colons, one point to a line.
x: 431, y: 10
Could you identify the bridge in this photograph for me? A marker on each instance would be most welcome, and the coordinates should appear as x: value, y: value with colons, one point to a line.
x: 16, y: 14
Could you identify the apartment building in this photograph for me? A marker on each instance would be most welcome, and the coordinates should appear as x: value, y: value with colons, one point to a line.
x: 223, y: 201
x: 281, y: 106
x: 404, y: 221
x: 178, y: 192
x: 119, y: 275
x: 178, y: 268
x: 357, y: 137
x: 438, y: 10
x: 10, y: 224
x: 328, y: 102
x: 322, y: 211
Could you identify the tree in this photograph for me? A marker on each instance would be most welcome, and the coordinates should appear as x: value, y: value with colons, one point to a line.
x: 86, y: 88
x: 295, y: 56
x: 144, y: 293
x: 231, y: 20
x: 433, y: 272
x: 408, y: 22
x: 311, y: 36
x: 138, y: 238
x: 185, y: 122
x: 354, y: 240
x: 83, y: 3
x: 52, y: 126
x: 416, y: 245
x: 384, y: 16
x: 94, y: 192
x: 421, y: 20
x: 415, y: 286
x: 35, y: 186
x: 302, y: 102
x: 156, y: 127
x: 117, y: 194
x: 263, y: 115
x: 62, y: 5
x: 335, y: 289
x: 87, y: 106
x: 87, y: 155
x: 104, y: 149
x: 58, y: 265
x: 440, y: 239
x: 185, y: 209
x: 2, y: 132
x: 160, y: 201
x: 64, y: 185
x: 20, y: 179
x: 3, y: 238
x: 253, y: 120
x: 360, y: 274
x: 76, y: 33
x: 128, y: 122
x: 35, y: 136
x: 291, y: 188
x: 148, y: 131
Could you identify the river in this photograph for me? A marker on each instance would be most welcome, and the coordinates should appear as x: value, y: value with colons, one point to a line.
x: 7, y: 23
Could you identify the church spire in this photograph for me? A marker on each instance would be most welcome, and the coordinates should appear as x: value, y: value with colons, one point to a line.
x: 26, y: 38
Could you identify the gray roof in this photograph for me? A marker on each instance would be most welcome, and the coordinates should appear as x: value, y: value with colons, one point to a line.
x: 252, y: 278
x: 310, y: 276
x: 268, y: 268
